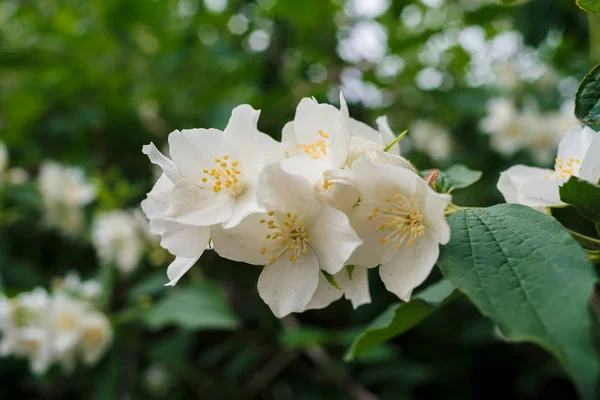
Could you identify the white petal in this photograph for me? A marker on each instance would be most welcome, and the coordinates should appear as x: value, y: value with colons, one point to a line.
x: 576, y: 142
x: 185, y: 240
x: 192, y: 150
x: 242, y: 123
x: 305, y: 167
x: 356, y: 289
x: 512, y: 180
x: 387, y: 135
x: 382, y: 158
x: 541, y: 193
x: 363, y: 131
x: 371, y: 252
x: 333, y: 239
x: 245, y: 241
x: 340, y: 140
x: 287, y: 286
x: 434, y: 212
x: 156, y: 203
x: 337, y: 189
x: 178, y: 268
x: 410, y: 266
x: 245, y: 143
x: 383, y: 180
x: 285, y: 192
x: 360, y: 147
x: 157, y: 158
x: 288, y: 140
x: 245, y: 204
x: 193, y: 205
x: 325, y: 294
x: 590, y: 167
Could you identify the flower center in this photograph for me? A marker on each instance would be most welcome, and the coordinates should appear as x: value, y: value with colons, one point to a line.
x: 226, y: 175
x: 317, y: 150
x: 404, y: 221
x: 565, y: 169
x: 290, y: 234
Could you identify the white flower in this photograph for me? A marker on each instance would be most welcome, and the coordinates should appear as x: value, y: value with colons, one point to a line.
x: 216, y: 172
x: 401, y: 222
x: 354, y: 283
x: 96, y: 336
x: 17, y: 175
x: 296, y: 237
x: 117, y: 239
x: 3, y: 158
x: 8, y: 329
x: 66, y: 314
x: 35, y: 345
x: 504, y: 125
x: 65, y: 192
x: 432, y: 139
x: 319, y: 132
x: 578, y: 155
x: 186, y: 242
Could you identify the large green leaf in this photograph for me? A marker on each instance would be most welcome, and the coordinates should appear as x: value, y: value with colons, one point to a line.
x: 592, y: 6
x: 587, y: 105
x: 585, y: 196
x: 400, y: 317
x: 520, y: 268
x: 202, y: 306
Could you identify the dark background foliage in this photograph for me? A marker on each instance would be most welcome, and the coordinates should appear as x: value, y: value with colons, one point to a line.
x: 88, y: 83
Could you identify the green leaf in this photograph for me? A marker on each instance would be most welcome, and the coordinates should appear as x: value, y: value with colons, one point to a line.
x: 584, y: 195
x: 202, y: 306
x: 587, y: 105
x: 598, y: 227
x: 401, y: 317
x: 523, y: 270
x: 592, y: 6
x: 331, y: 279
x: 456, y: 177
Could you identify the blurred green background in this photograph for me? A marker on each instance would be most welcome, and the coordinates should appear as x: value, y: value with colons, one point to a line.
x: 87, y: 83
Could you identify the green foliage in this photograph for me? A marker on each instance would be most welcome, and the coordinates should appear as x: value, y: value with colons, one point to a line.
x: 585, y: 196
x: 522, y: 270
x: 400, y: 317
x: 587, y: 98
x: 592, y: 6
x: 201, y: 306
x: 456, y: 177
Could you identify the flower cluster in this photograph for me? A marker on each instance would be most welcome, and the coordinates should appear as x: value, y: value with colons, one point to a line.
x: 58, y: 327
x: 119, y: 237
x: 65, y: 191
x: 539, y: 187
x: 318, y: 209
x: 513, y: 130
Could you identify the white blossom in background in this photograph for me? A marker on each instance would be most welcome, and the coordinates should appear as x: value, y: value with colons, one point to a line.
x: 578, y: 155
x: 65, y: 191
x: 117, y: 239
x: 431, y: 138
x: 512, y: 130
x: 15, y: 175
x: 157, y: 379
x: 58, y: 327
x: 401, y: 222
x: 3, y: 159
